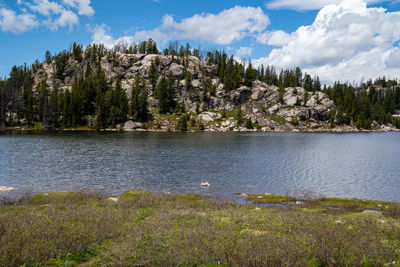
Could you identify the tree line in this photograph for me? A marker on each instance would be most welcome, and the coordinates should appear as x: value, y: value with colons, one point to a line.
x: 365, y: 104
x: 94, y: 101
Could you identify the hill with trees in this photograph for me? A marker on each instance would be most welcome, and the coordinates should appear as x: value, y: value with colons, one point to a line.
x: 180, y: 88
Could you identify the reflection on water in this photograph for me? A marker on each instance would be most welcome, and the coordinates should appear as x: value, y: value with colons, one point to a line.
x: 337, y: 165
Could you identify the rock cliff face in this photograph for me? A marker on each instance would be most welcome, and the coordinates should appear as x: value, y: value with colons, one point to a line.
x: 268, y: 107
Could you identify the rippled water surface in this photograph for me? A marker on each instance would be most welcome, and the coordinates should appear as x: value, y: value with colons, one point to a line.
x: 338, y: 165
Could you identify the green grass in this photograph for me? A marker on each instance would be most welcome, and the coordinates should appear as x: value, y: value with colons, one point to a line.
x: 279, y: 119
x: 79, y: 128
x: 333, y: 205
x: 268, y: 198
x: 148, y: 229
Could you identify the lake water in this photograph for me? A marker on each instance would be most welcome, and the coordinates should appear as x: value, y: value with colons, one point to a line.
x: 363, y: 165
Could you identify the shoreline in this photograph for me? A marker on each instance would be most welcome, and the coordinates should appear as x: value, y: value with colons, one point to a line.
x: 212, y: 130
x: 296, y: 198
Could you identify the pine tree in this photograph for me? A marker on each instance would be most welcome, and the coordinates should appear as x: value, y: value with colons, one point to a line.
x: 308, y: 82
x: 250, y: 75
x: 120, y: 106
x: 299, y: 77
x: 144, y: 114
x: 182, y: 123
x: 316, y: 84
x: 77, y: 101
x: 29, y: 102
x: 3, y: 104
x: 239, y: 115
x: 188, y: 79
x: 100, y: 122
x: 48, y: 57
x: 66, y: 109
x: 138, y: 104
x: 153, y: 75
x: 134, y: 103
x: 171, y: 94
x: 43, y: 93
x: 162, y: 94
x: 166, y: 92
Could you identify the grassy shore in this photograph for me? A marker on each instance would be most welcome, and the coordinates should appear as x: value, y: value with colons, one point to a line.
x: 147, y: 229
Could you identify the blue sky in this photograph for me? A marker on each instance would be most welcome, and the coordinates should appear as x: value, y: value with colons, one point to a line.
x: 348, y: 40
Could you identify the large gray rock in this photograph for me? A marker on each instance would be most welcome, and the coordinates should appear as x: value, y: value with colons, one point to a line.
x: 257, y: 95
x: 322, y: 113
x: 259, y: 86
x: 131, y: 125
x: 290, y: 99
x: 274, y: 108
x: 208, y: 116
x: 146, y: 61
x: 196, y: 83
x: 239, y: 96
x: 287, y: 112
x: 228, y: 123
x: 312, y: 102
x: 265, y: 122
x: 282, y: 128
x: 327, y: 103
x: 272, y: 94
x: 304, y: 114
x: 177, y: 70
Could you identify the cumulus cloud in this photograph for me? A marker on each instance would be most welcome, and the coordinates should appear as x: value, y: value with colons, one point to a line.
x: 230, y: 25
x: 48, y: 13
x: 11, y: 22
x: 101, y: 35
x: 244, y: 52
x: 308, y: 4
x: 83, y: 6
x: 44, y: 7
x: 347, y: 41
x: 275, y: 38
x: 393, y: 61
x: 67, y: 19
x: 224, y: 28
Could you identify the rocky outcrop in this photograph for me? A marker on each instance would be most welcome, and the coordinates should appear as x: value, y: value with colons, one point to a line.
x: 208, y: 116
x: 267, y: 107
x: 239, y: 96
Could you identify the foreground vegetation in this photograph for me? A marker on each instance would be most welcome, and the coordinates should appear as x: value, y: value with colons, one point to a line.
x: 148, y: 229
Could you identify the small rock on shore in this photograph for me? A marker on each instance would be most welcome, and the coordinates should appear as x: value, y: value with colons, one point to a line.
x: 6, y: 189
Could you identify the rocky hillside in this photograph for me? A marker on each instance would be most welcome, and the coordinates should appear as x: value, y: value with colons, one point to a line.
x: 207, y: 103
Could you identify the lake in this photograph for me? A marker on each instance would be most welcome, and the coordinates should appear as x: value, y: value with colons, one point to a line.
x: 362, y: 165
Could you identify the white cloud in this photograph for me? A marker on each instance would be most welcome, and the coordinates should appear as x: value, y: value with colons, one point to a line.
x: 67, y: 19
x: 308, y: 4
x: 223, y: 28
x: 347, y: 41
x: 244, y: 52
x: 100, y: 35
x: 393, y: 61
x: 11, y: 22
x: 275, y: 38
x: 45, y: 7
x: 230, y: 25
x: 48, y: 13
x: 83, y: 6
